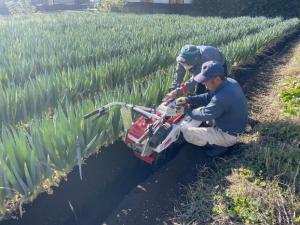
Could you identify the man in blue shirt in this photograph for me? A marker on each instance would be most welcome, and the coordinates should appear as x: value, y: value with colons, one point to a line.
x: 224, y: 106
x: 191, y: 59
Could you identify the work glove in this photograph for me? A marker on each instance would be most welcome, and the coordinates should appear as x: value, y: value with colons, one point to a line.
x: 181, y: 101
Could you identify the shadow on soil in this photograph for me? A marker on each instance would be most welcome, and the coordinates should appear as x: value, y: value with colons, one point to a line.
x: 107, y: 177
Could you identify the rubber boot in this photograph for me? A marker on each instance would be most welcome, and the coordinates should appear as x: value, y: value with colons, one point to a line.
x: 215, y: 150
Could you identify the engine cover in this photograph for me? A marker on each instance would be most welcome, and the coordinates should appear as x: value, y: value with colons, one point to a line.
x: 160, y: 135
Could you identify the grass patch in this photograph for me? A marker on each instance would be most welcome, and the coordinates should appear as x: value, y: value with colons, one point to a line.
x: 281, y: 131
x: 290, y: 92
x: 260, y: 186
x: 250, y: 199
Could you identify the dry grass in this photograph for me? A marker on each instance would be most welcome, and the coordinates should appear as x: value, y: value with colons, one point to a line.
x: 290, y: 88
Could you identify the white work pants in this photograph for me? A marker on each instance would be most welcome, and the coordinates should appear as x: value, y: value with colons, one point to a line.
x: 208, y: 135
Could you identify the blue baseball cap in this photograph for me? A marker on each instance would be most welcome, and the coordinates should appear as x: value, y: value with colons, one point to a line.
x: 189, y: 54
x: 210, y: 70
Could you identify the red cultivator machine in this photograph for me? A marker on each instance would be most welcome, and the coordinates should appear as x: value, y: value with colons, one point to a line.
x: 152, y: 134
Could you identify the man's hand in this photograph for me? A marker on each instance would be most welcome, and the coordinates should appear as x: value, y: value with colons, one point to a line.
x: 170, y: 95
x: 182, y: 101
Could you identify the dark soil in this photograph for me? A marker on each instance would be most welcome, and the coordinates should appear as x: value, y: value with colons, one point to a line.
x: 152, y: 201
x: 119, y: 189
x: 107, y: 177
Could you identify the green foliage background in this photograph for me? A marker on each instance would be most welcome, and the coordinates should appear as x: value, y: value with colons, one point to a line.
x: 230, y: 8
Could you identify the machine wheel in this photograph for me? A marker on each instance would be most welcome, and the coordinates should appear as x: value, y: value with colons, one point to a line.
x: 169, y: 153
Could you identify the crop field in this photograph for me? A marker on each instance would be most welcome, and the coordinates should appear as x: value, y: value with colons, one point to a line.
x: 55, y: 68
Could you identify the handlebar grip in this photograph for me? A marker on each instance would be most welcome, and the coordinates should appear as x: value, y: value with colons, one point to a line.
x: 100, y: 111
x: 86, y: 116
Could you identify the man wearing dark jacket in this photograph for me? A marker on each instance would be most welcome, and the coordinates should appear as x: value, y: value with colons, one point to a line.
x: 224, y: 107
x: 191, y: 59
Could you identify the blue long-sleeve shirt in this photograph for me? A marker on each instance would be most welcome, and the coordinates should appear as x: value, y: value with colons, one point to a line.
x: 227, y: 107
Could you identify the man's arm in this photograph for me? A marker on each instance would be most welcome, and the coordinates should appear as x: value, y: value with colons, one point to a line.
x: 179, y: 74
x: 210, y: 112
x: 200, y: 100
x: 190, y: 86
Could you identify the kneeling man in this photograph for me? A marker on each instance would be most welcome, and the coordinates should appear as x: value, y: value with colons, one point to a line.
x: 224, y: 107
